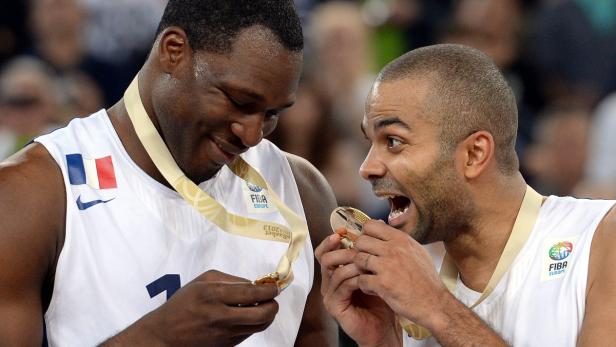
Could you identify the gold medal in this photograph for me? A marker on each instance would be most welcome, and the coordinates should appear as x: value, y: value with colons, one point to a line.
x: 348, y: 222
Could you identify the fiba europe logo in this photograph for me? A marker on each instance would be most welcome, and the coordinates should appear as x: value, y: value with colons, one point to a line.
x: 256, y: 198
x: 561, y: 250
x: 253, y: 187
x: 558, y: 257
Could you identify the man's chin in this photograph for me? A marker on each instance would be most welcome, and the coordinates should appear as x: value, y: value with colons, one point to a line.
x: 202, y: 173
x: 409, y: 229
x: 419, y: 234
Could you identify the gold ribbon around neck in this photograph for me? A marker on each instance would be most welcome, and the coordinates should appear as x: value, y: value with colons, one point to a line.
x: 523, y: 225
x: 211, y: 209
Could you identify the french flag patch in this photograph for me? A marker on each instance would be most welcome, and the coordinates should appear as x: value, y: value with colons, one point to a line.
x: 96, y: 173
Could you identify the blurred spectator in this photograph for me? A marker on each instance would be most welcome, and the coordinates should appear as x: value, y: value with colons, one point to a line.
x: 341, y: 77
x: 574, y: 48
x: 28, y: 103
x: 119, y: 34
x: 600, y: 179
x: 119, y: 30
x: 491, y: 26
x: 57, y: 28
x: 307, y: 130
x: 342, y: 60
x: 304, y: 9
x: 402, y: 25
x: 79, y: 96
x: 301, y: 125
x: 557, y: 157
x: 14, y: 37
x: 495, y: 27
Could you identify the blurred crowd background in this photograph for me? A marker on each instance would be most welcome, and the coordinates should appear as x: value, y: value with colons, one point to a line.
x: 61, y: 59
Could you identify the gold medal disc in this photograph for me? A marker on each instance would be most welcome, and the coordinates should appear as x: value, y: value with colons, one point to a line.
x: 348, y: 222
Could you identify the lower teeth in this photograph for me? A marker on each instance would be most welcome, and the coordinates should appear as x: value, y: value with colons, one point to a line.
x: 397, y: 213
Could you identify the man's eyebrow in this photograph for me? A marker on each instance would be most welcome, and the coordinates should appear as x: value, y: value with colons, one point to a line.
x: 253, y: 95
x: 244, y: 90
x: 385, y: 122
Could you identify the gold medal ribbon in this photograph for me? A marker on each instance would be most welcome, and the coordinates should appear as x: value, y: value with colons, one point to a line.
x: 523, y: 225
x: 211, y: 209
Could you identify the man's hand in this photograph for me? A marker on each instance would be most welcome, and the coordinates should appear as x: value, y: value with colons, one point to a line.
x: 215, y: 309
x: 365, y: 318
x: 400, y: 271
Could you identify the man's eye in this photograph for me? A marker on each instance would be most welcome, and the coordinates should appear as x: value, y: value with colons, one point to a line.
x: 393, y: 142
x: 236, y: 103
x: 271, y: 114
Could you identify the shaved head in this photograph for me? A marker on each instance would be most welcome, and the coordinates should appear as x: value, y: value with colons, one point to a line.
x: 467, y: 94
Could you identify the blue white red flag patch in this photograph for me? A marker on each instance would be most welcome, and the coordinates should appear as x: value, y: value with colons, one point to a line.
x: 96, y: 173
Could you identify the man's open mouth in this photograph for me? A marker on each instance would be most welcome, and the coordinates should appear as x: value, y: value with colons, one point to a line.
x: 398, y: 207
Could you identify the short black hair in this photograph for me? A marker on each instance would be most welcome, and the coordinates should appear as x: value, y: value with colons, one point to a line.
x: 468, y: 93
x: 213, y: 25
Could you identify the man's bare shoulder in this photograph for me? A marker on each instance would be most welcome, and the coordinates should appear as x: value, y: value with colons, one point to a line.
x: 33, y: 156
x: 597, y: 327
x: 32, y: 206
x: 604, y: 239
x: 601, y: 251
x: 317, y: 328
x: 317, y: 196
x: 606, y: 230
x: 30, y: 175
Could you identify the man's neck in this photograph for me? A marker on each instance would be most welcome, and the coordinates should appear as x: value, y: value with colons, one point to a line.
x: 477, y: 252
x: 126, y: 132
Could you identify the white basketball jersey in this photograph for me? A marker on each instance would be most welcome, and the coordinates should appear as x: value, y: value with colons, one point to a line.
x: 131, y: 242
x: 540, y: 301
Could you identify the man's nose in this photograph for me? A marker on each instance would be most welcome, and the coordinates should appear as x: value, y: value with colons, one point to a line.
x: 249, y: 129
x: 372, y: 167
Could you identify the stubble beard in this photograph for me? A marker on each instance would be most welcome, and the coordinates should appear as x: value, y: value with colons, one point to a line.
x: 446, y: 208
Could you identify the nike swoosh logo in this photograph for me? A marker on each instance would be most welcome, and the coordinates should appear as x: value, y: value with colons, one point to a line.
x: 85, y: 205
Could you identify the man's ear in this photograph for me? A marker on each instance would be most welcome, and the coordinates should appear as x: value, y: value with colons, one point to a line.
x: 173, y: 49
x: 477, y: 153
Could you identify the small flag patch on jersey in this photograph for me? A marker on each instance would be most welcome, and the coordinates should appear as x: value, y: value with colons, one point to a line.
x: 96, y: 173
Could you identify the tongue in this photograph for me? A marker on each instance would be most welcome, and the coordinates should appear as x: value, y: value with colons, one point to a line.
x: 394, y: 214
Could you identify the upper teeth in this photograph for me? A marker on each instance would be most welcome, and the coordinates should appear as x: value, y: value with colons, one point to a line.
x: 384, y: 197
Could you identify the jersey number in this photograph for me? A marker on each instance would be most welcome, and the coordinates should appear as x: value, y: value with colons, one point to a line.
x: 169, y: 283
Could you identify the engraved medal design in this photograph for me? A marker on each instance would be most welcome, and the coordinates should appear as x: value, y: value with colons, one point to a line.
x: 348, y: 222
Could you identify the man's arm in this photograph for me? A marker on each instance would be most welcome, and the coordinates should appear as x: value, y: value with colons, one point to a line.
x: 460, y: 326
x: 32, y: 205
x: 598, y: 326
x: 317, y: 328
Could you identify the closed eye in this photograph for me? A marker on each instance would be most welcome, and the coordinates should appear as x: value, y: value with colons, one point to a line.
x: 236, y: 103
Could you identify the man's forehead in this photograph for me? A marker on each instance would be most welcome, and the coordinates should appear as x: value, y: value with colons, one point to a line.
x: 398, y: 90
x: 257, y: 66
x: 405, y: 100
x: 262, y: 42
